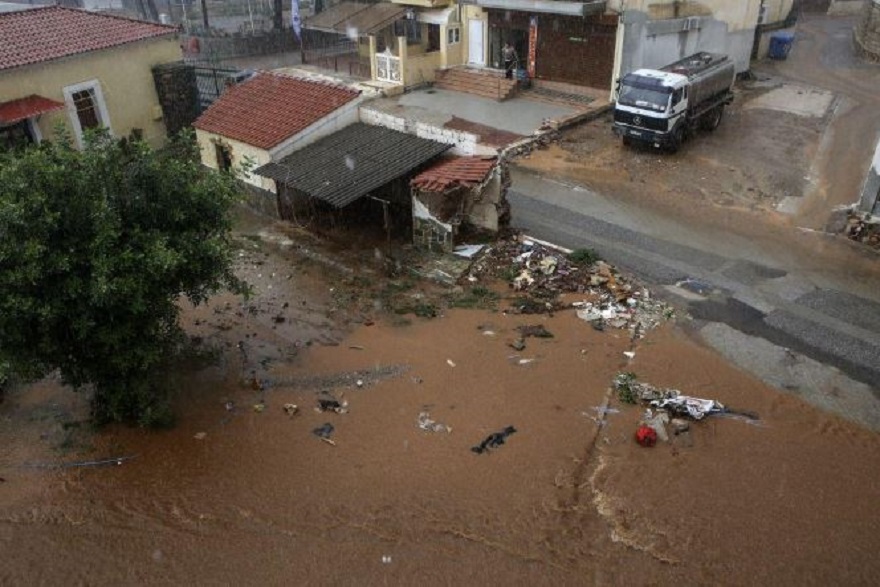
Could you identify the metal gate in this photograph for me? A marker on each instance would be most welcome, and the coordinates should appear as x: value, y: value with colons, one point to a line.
x: 211, y: 81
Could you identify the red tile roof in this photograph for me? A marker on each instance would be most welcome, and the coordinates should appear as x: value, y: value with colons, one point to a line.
x: 41, y: 34
x: 33, y: 105
x: 270, y: 108
x: 452, y: 173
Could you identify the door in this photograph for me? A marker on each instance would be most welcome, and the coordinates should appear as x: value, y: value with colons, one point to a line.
x: 476, y: 50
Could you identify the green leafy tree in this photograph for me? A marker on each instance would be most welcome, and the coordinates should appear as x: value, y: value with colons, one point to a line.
x: 96, y: 248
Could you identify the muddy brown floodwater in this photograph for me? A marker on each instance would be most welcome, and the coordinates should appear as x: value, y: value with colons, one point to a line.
x: 240, y: 496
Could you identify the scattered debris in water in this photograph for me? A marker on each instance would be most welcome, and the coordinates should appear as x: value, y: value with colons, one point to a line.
x: 494, y: 440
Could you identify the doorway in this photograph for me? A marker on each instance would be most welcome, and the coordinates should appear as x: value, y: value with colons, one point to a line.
x: 476, y: 47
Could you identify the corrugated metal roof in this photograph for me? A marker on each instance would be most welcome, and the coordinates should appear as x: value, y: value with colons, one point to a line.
x: 351, y: 17
x: 33, y: 105
x: 454, y: 172
x: 52, y: 32
x: 352, y: 162
x: 270, y: 108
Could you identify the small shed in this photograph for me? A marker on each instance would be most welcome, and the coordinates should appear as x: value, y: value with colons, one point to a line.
x: 459, y: 195
x: 356, y: 177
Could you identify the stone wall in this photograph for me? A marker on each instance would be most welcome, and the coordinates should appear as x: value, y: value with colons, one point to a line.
x: 867, y: 31
x: 845, y: 7
x: 178, y: 95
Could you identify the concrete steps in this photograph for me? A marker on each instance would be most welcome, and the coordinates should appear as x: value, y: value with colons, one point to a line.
x: 487, y: 83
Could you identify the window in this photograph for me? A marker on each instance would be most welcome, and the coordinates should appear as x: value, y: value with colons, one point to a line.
x: 676, y: 97
x: 410, y: 29
x: 453, y: 35
x: 86, y: 107
x: 433, y: 38
x: 224, y: 156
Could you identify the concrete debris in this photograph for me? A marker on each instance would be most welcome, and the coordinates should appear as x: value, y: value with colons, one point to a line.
x: 518, y: 345
x: 541, y: 274
x: 467, y: 251
x: 291, y: 409
x: 657, y: 422
x: 863, y: 228
x: 200, y: 435
x: 426, y: 423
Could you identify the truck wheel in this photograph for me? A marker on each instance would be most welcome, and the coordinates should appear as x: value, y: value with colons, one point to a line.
x: 677, y: 139
x: 713, y: 118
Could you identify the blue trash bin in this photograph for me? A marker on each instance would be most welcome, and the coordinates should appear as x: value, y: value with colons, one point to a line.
x: 780, y: 45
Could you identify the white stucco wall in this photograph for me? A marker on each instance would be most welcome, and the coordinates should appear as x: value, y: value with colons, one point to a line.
x: 463, y: 143
x: 659, y: 32
x: 240, y: 153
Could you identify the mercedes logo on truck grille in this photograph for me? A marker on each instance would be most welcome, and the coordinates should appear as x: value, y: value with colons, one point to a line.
x: 637, y: 120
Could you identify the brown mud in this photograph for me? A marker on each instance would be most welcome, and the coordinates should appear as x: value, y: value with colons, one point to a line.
x: 251, y: 496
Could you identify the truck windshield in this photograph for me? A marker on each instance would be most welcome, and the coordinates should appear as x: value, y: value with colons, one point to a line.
x: 641, y: 97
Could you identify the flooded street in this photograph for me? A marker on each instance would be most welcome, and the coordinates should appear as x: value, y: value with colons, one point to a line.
x: 241, y: 492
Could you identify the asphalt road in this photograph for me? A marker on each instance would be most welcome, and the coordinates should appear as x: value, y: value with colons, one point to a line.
x: 826, y: 339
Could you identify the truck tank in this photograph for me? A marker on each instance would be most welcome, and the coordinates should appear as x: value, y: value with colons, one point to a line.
x: 710, y: 74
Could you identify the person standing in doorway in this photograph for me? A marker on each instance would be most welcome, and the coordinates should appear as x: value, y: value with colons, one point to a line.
x: 508, y: 55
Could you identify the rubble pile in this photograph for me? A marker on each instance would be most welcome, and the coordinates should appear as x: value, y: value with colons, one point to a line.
x: 542, y: 274
x: 542, y: 139
x: 863, y: 228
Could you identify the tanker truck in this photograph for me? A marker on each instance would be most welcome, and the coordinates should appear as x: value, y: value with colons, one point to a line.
x: 663, y: 107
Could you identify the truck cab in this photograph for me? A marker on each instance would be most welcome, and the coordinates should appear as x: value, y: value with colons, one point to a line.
x: 662, y: 107
x: 651, y: 107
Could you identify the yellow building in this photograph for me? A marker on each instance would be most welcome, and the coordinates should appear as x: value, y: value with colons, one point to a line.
x: 82, y: 70
x: 590, y: 43
x: 403, y: 42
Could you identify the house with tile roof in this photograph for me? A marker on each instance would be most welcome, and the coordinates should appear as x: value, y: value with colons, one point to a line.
x: 82, y: 70
x: 268, y: 117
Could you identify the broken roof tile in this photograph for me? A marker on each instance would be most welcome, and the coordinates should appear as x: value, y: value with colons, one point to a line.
x: 453, y: 173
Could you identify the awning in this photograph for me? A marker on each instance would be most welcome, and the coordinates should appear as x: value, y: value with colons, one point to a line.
x: 437, y: 16
x: 352, y: 162
x: 353, y: 19
x: 33, y: 105
x: 546, y: 6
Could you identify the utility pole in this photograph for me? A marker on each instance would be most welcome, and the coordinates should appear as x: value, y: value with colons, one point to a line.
x: 278, y: 16
x: 205, y: 14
